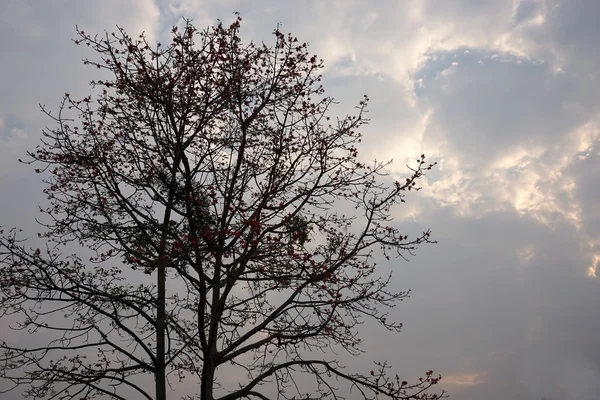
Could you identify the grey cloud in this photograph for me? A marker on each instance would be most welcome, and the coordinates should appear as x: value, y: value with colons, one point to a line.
x: 502, y: 306
x: 585, y: 170
x: 391, y: 119
x: 538, y: 313
x: 39, y: 64
x: 479, y: 308
x: 526, y: 10
x: 485, y: 103
x: 568, y: 35
x: 467, y: 10
x: 572, y: 27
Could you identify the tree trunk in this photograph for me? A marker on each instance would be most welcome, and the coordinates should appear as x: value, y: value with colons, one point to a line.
x: 208, y: 377
x: 160, y: 373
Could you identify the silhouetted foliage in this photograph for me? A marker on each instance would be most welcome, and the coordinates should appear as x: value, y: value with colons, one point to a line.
x: 210, y: 184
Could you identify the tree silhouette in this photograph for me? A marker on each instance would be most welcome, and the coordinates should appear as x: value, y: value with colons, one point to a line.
x: 232, y: 227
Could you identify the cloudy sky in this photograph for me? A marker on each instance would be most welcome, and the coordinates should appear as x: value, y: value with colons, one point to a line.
x: 504, y: 94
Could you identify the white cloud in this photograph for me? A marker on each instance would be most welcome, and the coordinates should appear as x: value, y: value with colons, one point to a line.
x: 12, y: 145
x: 464, y: 379
x: 15, y: 139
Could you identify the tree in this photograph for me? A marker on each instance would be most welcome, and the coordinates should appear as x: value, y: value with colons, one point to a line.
x: 210, y: 185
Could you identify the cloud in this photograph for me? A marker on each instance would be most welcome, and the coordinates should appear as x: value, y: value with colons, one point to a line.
x: 40, y: 60
x: 464, y: 379
x: 504, y: 94
x: 39, y: 64
x: 488, y: 103
x: 518, y: 325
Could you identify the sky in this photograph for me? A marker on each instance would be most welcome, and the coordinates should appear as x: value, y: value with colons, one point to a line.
x: 503, y: 94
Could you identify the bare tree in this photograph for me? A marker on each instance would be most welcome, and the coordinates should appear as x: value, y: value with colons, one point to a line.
x: 231, y: 223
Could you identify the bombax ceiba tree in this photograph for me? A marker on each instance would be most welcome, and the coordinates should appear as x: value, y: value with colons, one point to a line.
x: 232, y: 228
